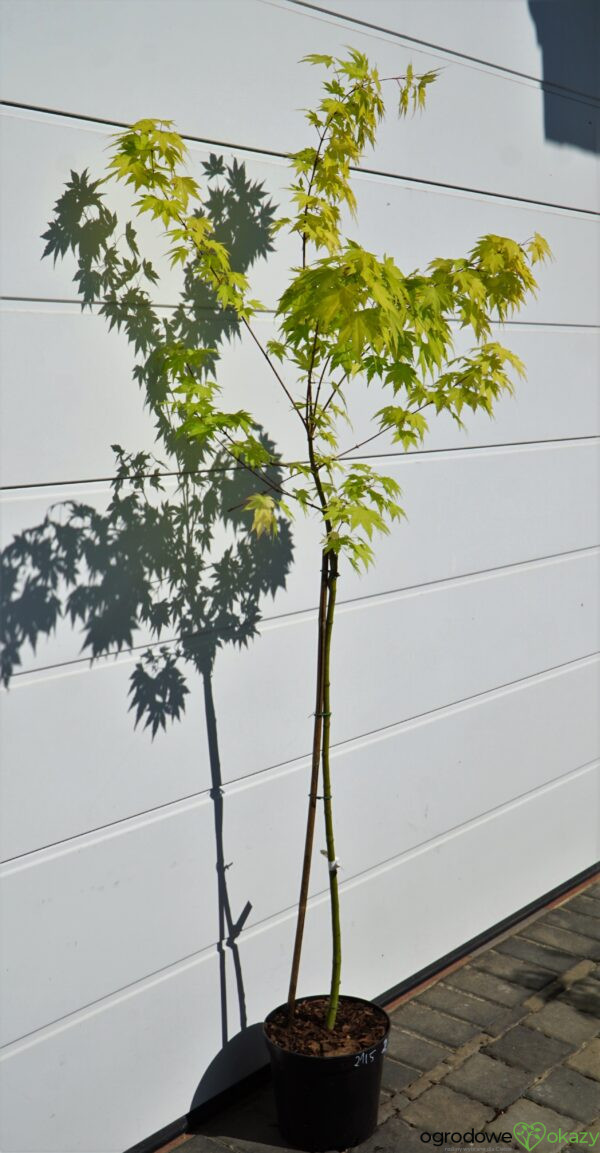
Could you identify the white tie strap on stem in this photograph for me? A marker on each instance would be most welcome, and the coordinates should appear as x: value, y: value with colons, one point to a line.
x: 334, y: 865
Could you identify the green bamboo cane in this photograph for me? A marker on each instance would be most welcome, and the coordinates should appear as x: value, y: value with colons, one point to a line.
x: 336, y: 966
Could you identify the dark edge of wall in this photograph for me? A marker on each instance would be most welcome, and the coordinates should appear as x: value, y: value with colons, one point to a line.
x: 260, y: 1077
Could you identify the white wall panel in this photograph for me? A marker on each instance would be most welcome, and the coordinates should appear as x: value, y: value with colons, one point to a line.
x: 99, y: 784
x: 62, y: 366
x: 465, y: 664
x: 507, y: 741
x: 414, y: 223
x: 59, y: 367
x: 109, y: 43
x: 166, y: 1029
x: 104, y: 1080
x: 560, y: 362
x: 62, y: 145
x: 446, y: 643
x: 58, y: 950
x: 64, y: 907
x: 549, y: 495
x: 493, y: 32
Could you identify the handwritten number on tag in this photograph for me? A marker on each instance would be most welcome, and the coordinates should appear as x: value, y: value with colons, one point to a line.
x: 364, y: 1058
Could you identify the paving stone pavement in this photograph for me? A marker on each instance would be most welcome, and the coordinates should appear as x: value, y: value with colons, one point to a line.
x: 506, y: 1044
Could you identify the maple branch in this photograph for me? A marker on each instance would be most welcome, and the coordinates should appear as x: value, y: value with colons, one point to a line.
x: 260, y: 346
x: 239, y: 461
x: 334, y: 391
x: 316, y: 160
x: 248, y: 467
x: 311, y: 182
x: 310, y: 410
x: 255, y: 338
x: 260, y: 476
x: 321, y: 378
x: 387, y: 428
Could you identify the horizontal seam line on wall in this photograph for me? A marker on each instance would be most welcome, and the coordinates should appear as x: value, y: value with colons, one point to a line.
x: 482, y: 448
x: 549, y: 86
x: 59, y: 1024
x: 270, y: 312
x: 412, y: 454
x: 338, y: 746
x: 392, y: 176
x: 280, y: 619
x: 315, y: 899
x: 567, y: 208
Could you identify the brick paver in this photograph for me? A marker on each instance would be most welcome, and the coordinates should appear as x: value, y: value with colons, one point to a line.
x: 529, y: 1049
x: 583, y: 904
x: 489, y: 1081
x: 587, y: 1060
x: 443, y: 1108
x: 563, y: 1022
x: 526, y: 950
x: 510, y: 1038
x: 505, y: 1020
x: 583, y: 995
x: 462, y: 1005
x: 512, y: 969
x: 576, y: 922
x: 531, y: 1113
x: 414, y: 1050
x: 397, y: 1076
x: 565, y: 1090
x: 481, y: 984
x: 564, y: 939
x: 434, y: 1026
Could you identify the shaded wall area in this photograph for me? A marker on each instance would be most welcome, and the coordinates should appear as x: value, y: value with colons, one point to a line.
x: 568, y: 32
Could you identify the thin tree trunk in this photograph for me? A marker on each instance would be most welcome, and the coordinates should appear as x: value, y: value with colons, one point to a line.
x: 314, y: 785
x: 229, y: 929
x: 336, y: 966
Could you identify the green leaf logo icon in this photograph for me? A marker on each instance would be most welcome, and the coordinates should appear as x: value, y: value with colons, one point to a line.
x: 529, y: 1135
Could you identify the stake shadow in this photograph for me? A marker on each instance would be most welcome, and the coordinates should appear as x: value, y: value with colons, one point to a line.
x: 169, y: 567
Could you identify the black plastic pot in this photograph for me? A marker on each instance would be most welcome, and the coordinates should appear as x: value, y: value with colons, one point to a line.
x: 327, y: 1102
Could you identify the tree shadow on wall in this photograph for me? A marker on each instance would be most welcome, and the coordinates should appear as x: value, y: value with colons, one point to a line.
x: 169, y: 566
x: 568, y: 32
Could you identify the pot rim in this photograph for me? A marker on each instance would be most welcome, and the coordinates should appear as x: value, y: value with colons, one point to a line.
x: 328, y: 1056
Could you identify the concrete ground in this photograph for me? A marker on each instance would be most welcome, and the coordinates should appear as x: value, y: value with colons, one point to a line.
x: 506, y: 1042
